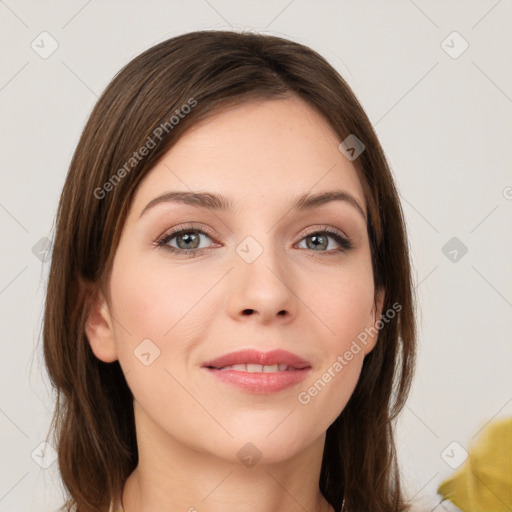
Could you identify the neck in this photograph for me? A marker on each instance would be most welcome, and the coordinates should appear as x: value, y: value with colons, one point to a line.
x: 172, y: 476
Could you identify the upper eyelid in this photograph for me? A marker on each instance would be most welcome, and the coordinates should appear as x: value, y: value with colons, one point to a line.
x: 185, y: 227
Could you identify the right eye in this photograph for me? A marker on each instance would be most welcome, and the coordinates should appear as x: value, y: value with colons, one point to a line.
x: 187, y: 240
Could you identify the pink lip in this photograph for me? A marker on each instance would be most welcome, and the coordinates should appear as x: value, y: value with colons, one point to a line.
x: 260, y: 382
x: 256, y: 357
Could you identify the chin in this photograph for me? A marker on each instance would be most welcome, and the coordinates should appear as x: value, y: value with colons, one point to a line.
x: 257, y: 446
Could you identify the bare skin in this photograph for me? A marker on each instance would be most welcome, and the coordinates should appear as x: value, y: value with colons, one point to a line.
x: 312, y: 300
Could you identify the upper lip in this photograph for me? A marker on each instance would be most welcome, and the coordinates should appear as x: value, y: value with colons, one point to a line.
x: 251, y: 356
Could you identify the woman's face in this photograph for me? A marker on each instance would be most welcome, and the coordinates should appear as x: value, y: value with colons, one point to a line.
x: 259, y: 275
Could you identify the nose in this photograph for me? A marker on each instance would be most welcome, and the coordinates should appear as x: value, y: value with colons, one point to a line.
x: 262, y: 284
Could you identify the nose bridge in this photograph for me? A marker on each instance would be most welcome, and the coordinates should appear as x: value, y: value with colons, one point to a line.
x: 261, y: 242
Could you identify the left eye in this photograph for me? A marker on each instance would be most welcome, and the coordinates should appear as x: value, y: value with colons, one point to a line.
x: 320, y: 239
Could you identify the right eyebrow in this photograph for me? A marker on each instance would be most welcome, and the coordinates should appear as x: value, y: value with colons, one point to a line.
x: 205, y: 200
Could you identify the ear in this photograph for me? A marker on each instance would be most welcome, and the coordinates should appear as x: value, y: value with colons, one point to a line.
x: 99, y: 326
x: 373, y: 329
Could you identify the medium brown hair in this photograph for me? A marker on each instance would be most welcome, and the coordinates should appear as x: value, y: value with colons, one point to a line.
x: 93, y: 421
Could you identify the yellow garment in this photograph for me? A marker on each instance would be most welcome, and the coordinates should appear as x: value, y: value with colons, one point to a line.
x: 484, y: 482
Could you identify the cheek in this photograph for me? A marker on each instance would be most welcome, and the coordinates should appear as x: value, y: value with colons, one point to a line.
x: 164, y: 313
x: 345, y: 311
x: 328, y: 394
x: 345, y: 307
x: 153, y: 302
x: 155, y: 323
x: 348, y: 318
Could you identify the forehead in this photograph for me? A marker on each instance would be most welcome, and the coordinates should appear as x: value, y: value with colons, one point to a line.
x: 261, y: 150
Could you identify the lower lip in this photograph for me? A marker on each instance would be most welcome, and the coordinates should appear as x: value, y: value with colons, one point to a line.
x: 261, y: 382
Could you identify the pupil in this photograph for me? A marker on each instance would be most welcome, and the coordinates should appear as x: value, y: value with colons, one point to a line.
x: 315, y: 239
x: 188, y: 237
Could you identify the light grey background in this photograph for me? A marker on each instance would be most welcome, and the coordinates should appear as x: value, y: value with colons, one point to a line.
x: 445, y: 124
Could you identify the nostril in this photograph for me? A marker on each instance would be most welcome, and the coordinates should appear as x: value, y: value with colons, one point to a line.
x: 249, y: 311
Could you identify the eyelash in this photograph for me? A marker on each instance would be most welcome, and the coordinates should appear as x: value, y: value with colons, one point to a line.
x: 162, y: 242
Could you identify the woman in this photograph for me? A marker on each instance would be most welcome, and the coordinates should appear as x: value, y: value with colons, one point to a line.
x: 229, y: 319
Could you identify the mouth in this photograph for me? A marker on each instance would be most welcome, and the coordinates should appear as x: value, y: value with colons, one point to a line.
x: 259, y: 372
x: 257, y: 368
x: 253, y: 361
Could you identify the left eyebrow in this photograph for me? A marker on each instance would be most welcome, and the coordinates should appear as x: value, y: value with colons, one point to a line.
x: 218, y: 202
